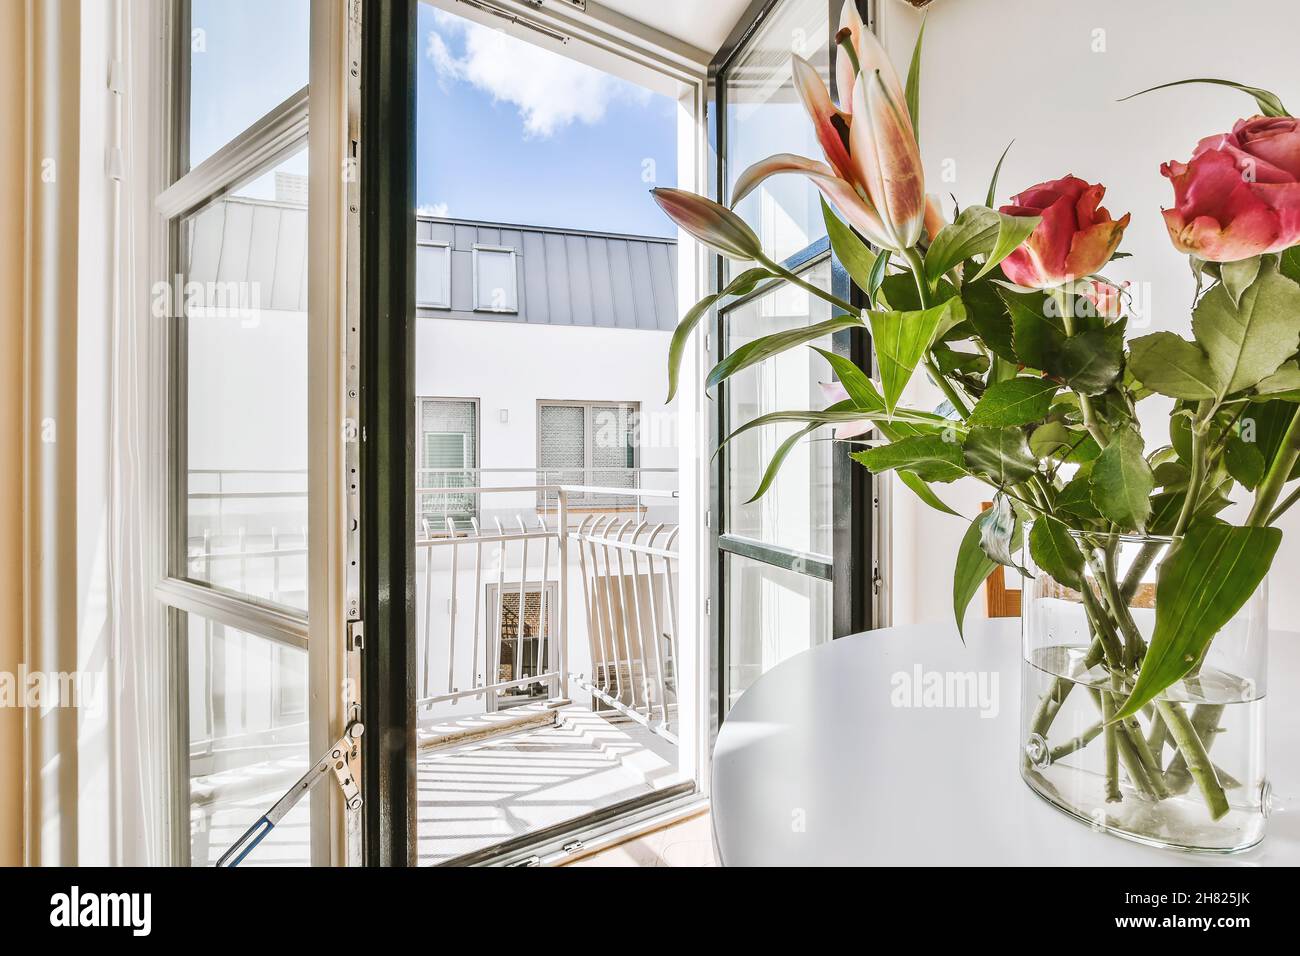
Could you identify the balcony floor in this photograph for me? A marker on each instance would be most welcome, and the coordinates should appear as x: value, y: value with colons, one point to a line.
x: 478, y: 794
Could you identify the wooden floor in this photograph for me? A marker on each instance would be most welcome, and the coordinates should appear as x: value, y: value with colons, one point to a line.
x: 685, y: 843
x: 481, y: 793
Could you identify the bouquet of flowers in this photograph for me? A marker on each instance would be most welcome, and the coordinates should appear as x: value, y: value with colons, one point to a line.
x: 1007, y: 311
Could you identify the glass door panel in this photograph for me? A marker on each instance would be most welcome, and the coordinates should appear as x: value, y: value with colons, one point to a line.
x: 796, y: 511
x: 764, y: 116
x: 793, y: 566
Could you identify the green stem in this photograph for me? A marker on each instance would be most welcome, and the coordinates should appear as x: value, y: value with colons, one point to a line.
x: 917, y: 266
x: 1270, y: 489
x: 1193, y: 751
x: 1199, y: 425
x: 1281, y: 509
x: 1077, y: 743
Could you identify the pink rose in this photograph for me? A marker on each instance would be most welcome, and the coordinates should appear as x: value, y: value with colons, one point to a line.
x: 1076, y: 237
x: 1107, y: 299
x: 1239, y: 194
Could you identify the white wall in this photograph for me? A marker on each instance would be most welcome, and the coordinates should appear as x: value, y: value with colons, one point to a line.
x: 510, y: 365
x: 1047, y: 73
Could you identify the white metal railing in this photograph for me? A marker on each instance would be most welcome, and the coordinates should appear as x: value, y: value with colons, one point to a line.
x: 457, y: 493
x: 519, y: 639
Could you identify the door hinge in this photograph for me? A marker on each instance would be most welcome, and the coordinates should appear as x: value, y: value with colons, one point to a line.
x: 527, y: 861
x: 573, y: 847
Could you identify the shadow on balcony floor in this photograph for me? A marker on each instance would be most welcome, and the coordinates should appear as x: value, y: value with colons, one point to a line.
x: 478, y: 794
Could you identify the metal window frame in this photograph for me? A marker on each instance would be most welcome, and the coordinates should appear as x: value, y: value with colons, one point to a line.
x: 852, y: 570
x: 514, y: 277
x: 436, y: 243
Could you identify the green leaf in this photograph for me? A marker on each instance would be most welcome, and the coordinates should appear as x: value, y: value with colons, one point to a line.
x: 1289, y: 263
x: 1050, y: 440
x: 1018, y: 401
x: 977, y: 231
x: 778, y: 459
x: 1122, y: 481
x: 973, y: 233
x: 1244, y: 461
x: 877, y: 275
x: 1000, y: 532
x: 973, y: 567
x: 1267, y: 102
x: 1237, y: 276
x: 1012, y: 232
x: 988, y: 315
x: 1055, y: 552
x: 930, y: 457
x: 1284, y: 384
x: 954, y: 362
x: 763, y: 348
x: 1090, y: 361
x: 1173, y: 366
x: 1248, y: 341
x: 1037, y: 333
x: 912, y: 91
x: 924, y: 491
x: 1000, y: 454
x: 991, y: 196
x: 1205, y: 581
x: 852, y: 252
x: 1076, y: 497
x: 861, y: 390
x: 838, y: 414
x: 900, y: 339
x: 743, y: 284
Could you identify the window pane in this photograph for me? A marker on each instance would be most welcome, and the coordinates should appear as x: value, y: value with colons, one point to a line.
x: 562, y: 442
x: 448, y: 459
x: 495, y: 272
x: 796, y: 511
x: 772, y: 614
x: 764, y: 116
x: 248, y: 742
x: 431, y: 286
x: 246, y: 57
x: 245, y: 302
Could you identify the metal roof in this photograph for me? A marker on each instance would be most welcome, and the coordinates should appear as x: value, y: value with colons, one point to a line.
x: 563, y: 276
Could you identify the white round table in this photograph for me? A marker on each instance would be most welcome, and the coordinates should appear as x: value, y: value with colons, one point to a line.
x: 815, y: 766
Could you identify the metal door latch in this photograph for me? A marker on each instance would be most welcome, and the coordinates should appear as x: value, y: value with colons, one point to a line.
x: 335, y: 761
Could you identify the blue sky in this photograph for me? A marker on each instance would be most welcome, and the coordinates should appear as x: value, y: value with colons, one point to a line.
x: 507, y: 131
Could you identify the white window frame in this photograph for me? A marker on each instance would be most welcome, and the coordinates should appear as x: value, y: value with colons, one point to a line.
x: 589, y: 408
x: 514, y: 277
x: 282, y: 131
x: 446, y: 283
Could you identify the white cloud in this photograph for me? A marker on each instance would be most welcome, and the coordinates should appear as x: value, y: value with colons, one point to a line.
x: 550, y: 91
x: 438, y: 209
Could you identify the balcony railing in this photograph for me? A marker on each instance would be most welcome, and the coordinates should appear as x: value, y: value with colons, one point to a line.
x: 518, y: 626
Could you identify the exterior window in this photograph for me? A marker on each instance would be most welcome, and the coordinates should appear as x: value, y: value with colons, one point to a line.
x: 525, y: 648
x: 448, y: 459
x: 432, y: 275
x: 589, y: 443
x: 494, y: 280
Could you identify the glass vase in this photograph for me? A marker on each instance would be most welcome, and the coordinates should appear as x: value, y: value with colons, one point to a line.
x: 1187, y: 772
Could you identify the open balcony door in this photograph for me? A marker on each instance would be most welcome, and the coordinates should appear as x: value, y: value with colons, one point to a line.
x: 795, y: 568
x: 391, y: 510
